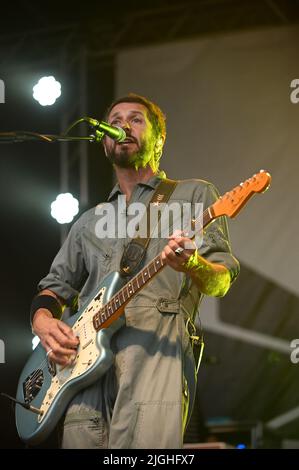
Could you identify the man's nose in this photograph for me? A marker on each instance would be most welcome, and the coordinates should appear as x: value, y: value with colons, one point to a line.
x: 126, y: 125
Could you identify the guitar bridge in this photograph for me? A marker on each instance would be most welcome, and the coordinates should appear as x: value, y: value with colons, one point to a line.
x: 32, y: 385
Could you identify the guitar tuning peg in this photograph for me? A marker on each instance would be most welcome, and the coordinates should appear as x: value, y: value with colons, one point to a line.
x: 242, y: 184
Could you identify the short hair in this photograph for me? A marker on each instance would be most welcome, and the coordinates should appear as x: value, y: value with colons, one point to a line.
x: 155, y: 114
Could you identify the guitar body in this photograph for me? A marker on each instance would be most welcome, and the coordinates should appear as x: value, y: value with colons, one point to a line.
x: 50, y: 388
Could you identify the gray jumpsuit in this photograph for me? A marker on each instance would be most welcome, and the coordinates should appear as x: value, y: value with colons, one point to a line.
x: 141, y: 400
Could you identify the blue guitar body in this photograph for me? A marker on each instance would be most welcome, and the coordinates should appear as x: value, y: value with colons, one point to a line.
x: 47, y: 387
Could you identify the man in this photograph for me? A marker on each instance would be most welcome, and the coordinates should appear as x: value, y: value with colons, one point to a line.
x: 142, y: 401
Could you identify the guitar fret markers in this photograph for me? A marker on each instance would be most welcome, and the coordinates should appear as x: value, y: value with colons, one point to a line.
x: 127, y: 291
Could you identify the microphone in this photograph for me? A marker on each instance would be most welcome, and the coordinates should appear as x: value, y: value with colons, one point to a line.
x: 114, y: 132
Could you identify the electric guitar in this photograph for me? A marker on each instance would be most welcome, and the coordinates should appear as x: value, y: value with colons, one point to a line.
x: 45, y: 389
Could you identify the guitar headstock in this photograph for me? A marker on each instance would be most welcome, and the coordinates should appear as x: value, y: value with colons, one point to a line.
x: 232, y: 202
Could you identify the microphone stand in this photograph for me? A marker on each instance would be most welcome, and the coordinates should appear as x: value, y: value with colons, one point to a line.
x: 26, y: 136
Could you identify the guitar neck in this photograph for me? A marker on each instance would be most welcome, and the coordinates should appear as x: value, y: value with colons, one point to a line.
x: 114, y: 308
x: 229, y: 205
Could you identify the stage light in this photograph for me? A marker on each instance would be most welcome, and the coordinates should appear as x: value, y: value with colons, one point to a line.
x: 64, y: 208
x: 46, y: 91
x: 35, y: 341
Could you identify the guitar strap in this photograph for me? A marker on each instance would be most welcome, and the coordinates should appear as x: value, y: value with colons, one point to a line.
x: 135, y: 251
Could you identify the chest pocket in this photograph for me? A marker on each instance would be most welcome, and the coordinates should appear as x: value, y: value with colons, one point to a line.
x: 165, y: 305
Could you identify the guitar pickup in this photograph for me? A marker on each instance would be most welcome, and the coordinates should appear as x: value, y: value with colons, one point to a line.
x: 32, y: 385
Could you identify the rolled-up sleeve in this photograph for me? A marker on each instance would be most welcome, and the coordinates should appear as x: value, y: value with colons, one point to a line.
x: 68, y: 272
x: 215, y: 245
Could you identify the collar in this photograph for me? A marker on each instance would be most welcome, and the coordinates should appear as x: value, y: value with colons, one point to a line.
x: 151, y: 183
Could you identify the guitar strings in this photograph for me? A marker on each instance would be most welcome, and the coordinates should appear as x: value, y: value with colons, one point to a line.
x: 44, y: 364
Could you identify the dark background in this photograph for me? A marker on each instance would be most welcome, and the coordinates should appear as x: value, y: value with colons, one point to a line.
x: 33, y: 38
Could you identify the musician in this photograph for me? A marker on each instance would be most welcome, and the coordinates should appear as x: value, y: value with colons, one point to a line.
x: 143, y: 399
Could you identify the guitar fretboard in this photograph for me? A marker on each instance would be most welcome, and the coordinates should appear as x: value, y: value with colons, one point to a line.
x: 124, y: 295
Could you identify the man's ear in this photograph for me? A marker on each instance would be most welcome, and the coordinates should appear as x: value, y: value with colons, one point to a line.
x: 159, y: 144
x: 104, y: 147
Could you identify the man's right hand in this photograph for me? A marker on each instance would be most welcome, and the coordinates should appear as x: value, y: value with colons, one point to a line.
x: 57, y: 337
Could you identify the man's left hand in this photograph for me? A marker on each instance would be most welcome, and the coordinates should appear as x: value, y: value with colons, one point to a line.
x: 178, y: 251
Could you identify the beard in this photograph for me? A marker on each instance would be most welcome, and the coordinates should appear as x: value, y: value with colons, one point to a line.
x: 124, y: 157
